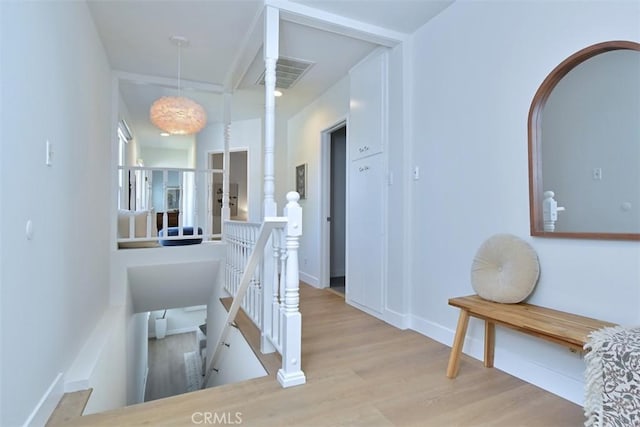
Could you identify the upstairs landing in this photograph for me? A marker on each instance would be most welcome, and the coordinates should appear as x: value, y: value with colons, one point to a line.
x: 360, y: 371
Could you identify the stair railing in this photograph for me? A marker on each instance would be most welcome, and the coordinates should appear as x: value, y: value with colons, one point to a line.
x: 281, y: 323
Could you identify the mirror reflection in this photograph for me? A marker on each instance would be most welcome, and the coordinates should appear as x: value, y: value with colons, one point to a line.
x: 586, y: 149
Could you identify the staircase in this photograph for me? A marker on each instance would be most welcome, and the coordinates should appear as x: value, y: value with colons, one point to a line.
x: 261, y: 274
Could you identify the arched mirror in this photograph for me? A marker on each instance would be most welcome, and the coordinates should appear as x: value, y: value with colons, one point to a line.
x: 584, y: 146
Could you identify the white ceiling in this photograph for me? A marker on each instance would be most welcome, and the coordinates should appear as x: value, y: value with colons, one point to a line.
x: 225, y: 49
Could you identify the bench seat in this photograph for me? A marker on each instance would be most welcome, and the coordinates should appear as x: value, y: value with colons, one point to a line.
x: 569, y: 330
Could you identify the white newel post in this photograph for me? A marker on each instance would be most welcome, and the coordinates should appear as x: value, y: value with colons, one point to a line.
x: 270, y: 209
x: 291, y: 372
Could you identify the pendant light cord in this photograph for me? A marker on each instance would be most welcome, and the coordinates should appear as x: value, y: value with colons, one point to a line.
x: 179, y: 67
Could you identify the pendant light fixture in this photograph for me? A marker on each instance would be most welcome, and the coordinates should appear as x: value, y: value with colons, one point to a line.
x: 178, y: 115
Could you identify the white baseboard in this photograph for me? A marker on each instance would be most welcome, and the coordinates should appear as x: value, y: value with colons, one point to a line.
x: 47, y: 403
x: 177, y: 331
x: 182, y: 330
x: 144, y: 385
x: 432, y: 330
x: 360, y: 307
x: 527, y: 370
x: 309, y: 279
x: 400, y: 321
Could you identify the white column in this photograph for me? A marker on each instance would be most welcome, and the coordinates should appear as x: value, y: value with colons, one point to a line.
x: 226, y: 212
x: 270, y: 43
x: 291, y: 372
x: 271, y: 39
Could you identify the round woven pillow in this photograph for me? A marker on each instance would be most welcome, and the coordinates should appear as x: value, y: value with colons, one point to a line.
x: 505, y: 269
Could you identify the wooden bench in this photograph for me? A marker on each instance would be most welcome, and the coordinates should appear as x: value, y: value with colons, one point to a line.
x: 567, y: 329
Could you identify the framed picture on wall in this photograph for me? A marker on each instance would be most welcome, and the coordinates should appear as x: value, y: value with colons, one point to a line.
x: 301, y: 180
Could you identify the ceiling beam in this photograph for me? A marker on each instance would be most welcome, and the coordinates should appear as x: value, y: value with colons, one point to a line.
x: 247, y: 52
x: 326, y: 21
x: 169, y: 82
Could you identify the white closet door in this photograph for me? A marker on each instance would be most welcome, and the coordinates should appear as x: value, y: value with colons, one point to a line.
x: 366, y: 233
x: 367, y: 118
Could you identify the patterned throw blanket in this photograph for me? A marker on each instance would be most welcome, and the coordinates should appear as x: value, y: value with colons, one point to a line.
x: 613, y: 377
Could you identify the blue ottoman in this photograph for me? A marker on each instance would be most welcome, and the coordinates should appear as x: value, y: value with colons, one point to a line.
x: 174, y: 231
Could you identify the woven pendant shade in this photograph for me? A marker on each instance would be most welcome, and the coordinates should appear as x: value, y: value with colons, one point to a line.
x: 178, y: 115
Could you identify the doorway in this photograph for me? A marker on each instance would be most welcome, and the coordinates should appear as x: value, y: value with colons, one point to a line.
x: 238, y: 187
x: 336, y: 180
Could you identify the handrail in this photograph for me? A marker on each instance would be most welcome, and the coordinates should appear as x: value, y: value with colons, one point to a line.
x: 256, y: 255
x: 169, y: 169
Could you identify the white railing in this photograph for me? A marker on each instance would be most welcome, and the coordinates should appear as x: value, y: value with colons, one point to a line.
x: 152, y: 199
x: 271, y: 302
x: 241, y: 240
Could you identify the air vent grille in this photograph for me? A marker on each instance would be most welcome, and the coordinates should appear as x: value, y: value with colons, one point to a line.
x: 288, y: 72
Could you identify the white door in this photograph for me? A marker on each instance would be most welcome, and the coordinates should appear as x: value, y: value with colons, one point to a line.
x: 365, y: 242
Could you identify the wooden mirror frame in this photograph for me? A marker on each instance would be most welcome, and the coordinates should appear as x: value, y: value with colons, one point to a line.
x: 535, y: 157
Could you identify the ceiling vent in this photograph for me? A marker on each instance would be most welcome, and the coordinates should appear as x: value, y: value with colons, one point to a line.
x: 288, y: 72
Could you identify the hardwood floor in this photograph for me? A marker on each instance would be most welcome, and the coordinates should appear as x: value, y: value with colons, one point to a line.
x: 166, y: 365
x: 361, y: 371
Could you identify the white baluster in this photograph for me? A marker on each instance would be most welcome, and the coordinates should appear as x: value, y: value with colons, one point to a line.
x: 208, y: 207
x: 148, y: 224
x: 228, y: 264
x: 226, y: 212
x: 281, y: 287
x: 149, y: 183
x: 196, y: 215
x: 165, y: 215
x: 179, y: 202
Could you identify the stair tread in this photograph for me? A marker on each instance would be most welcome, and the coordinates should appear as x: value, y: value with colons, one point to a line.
x: 70, y: 406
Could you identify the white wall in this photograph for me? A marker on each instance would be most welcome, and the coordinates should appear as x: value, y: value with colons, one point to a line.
x: 476, y: 69
x: 304, y: 136
x: 399, y: 207
x: 165, y: 157
x: 282, y: 168
x: 55, y: 85
x: 101, y: 364
x: 2, y: 125
x: 179, y: 320
x: 137, y: 352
